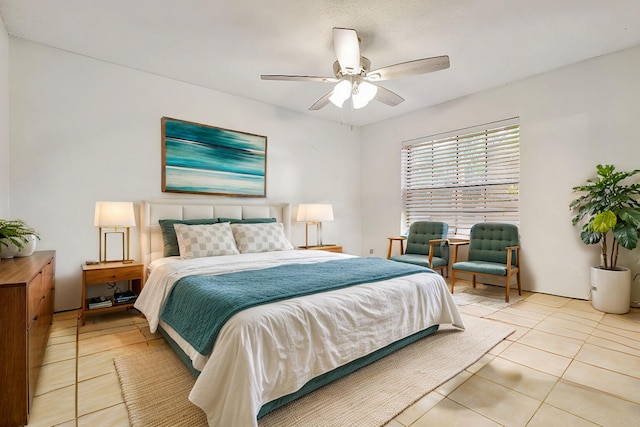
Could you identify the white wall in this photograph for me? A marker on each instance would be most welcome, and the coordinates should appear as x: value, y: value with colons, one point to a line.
x: 570, y: 120
x: 83, y: 130
x: 4, y: 121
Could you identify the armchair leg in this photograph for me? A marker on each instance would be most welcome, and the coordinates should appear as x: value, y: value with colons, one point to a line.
x: 453, y: 279
x: 508, y: 285
x: 518, y: 279
x: 473, y: 280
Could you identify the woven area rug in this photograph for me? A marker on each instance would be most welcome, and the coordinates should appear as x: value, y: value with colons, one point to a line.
x: 486, y: 295
x: 155, y: 383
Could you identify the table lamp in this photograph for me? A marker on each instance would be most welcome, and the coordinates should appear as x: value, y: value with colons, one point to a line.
x: 314, y: 214
x: 114, y: 218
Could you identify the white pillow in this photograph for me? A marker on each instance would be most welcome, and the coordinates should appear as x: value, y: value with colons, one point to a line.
x: 265, y: 237
x: 202, y: 240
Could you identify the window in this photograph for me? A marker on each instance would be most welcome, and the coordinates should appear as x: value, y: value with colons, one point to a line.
x: 464, y: 178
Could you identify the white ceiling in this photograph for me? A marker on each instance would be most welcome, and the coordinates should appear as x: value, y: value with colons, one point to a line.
x: 226, y: 44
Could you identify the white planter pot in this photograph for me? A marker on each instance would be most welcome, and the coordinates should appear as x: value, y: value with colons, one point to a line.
x: 28, y: 248
x: 9, y: 250
x: 611, y: 290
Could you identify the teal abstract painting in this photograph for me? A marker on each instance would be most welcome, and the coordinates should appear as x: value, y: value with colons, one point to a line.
x: 198, y: 158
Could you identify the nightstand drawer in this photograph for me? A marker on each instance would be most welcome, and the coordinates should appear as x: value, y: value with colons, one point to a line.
x: 105, y: 275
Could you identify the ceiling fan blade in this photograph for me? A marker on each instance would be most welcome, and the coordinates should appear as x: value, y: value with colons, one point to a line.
x: 409, y: 68
x: 298, y: 78
x: 322, y: 102
x: 388, y: 97
x: 347, y: 47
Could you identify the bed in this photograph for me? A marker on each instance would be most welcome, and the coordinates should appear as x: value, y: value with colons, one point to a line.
x: 282, y: 338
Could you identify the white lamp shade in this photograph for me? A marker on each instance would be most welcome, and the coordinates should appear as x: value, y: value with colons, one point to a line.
x: 114, y: 214
x: 315, y: 212
x: 341, y: 93
x: 366, y: 92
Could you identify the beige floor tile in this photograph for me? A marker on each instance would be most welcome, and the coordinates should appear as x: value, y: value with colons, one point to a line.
x: 64, y: 324
x: 615, y: 343
x: 513, y: 319
x: 563, y: 346
x: 71, y: 423
x: 451, y: 414
x: 482, y: 362
x: 453, y: 383
x: 528, y: 314
x: 476, y: 310
x: 98, y: 393
x: 61, y: 339
x: 523, y: 379
x: 64, y: 332
x: 56, y: 375
x: 520, y: 331
x: 415, y: 411
x: 108, y: 342
x: 500, y: 347
x: 610, y: 359
x: 544, y: 361
x: 533, y: 307
x: 621, y: 322
x: 593, y: 405
x: 620, y: 385
x: 582, y: 305
x: 147, y: 333
x: 394, y: 423
x: 563, y: 327
x: 550, y: 300
x: 566, y: 315
x: 548, y: 416
x: 594, y: 316
x: 634, y: 336
x: 115, y: 416
x: 496, y: 402
x: 53, y: 408
x: 97, y: 364
x: 58, y: 352
x: 105, y: 321
x: 65, y: 315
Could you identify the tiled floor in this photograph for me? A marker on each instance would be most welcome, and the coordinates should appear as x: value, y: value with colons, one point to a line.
x: 566, y: 365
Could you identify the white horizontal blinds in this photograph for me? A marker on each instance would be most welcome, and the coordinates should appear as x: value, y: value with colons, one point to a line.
x: 463, y: 179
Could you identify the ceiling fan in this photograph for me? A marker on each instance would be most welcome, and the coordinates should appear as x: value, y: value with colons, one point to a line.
x: 354, y: 76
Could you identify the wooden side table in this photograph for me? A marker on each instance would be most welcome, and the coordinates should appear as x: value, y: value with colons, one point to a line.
x: 328, y: 248
x: 400, y: 239
x: 107, y: 272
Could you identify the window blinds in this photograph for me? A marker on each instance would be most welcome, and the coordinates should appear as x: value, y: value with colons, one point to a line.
x: 463, y: 179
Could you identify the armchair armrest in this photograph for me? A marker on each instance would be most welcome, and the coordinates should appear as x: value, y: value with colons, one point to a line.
x: 432, y: 244
x: 456, y: 245
x: 510, y: 250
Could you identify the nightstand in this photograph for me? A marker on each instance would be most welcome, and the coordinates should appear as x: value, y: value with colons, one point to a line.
x: 107, y: 272
x: 328, y: 248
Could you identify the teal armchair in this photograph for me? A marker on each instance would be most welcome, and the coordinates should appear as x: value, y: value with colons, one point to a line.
x: 494, y: 250
x: 426, y: 246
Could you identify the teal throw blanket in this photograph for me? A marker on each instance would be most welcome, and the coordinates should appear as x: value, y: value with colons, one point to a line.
x: 198, y: 306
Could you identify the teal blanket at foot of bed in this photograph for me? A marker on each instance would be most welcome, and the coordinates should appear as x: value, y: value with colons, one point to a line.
x: 198, y: 306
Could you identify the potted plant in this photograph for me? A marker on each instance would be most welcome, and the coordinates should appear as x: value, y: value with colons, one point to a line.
x: 610, y: 213
x: 16, y: 238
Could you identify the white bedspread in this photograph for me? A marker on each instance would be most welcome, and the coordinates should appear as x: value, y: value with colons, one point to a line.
x: 272, y: 350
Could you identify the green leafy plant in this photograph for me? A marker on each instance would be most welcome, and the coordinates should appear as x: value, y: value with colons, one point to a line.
x: 610, y: 208
x: 15, y: 231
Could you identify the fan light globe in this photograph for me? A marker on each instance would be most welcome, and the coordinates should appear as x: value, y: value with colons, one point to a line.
x: 366, y: 92
x: 341, y: 93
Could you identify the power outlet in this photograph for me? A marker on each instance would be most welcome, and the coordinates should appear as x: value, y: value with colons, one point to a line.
x: 370, y: 251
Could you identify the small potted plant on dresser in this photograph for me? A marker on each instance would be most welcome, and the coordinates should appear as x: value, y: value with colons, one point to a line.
x: 16, y: 238
x: 610, y: 213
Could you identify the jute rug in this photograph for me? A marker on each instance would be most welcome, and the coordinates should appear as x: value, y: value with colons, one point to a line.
x: 486, y: 295
x: 155, y: 383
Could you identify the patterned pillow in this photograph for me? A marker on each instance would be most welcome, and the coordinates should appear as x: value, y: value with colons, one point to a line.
x: 169, y: 233
x: 196, y: 241
x: 266, y: 237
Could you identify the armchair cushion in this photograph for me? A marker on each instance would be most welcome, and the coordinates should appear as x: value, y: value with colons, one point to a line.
x: 422, y: 260
x: 482, y: 267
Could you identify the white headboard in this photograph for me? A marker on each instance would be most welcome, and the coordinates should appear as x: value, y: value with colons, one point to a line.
x: 151, y: 243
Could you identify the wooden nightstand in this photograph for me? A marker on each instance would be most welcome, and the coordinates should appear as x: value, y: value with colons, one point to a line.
x: 107, y: 272
x: 328, y: 248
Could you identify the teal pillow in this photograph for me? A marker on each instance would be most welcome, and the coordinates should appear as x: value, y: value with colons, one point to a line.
x: 169, y: 233
x: 247, y: 220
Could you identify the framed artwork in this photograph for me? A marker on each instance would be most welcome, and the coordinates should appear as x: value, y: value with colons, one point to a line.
x: 204, y: 159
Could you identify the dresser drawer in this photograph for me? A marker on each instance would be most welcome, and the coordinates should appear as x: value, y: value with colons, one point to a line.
x: 36, y: 291
x: 106, y: 275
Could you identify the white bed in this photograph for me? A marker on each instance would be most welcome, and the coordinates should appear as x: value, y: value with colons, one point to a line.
x: 272, y: 350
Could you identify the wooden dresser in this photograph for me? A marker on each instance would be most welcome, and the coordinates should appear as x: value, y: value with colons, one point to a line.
x: 26, y: 313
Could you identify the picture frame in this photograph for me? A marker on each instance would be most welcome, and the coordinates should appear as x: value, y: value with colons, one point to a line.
x: 204, y: 159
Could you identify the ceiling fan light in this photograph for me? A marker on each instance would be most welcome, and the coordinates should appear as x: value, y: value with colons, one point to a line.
x: 341, y: 93
x: 365, y: 93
